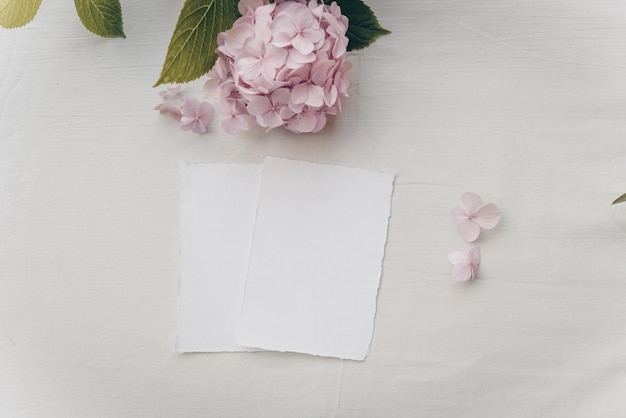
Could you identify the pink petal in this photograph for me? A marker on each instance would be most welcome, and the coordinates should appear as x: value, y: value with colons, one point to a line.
x: 295, y: 59
x: 300, y: 93
x: 302, y: 44
x: 270, y: 120
x: 275, y: 57
x: 198, y: 127
x: 471, y: 201
x: 210, y: 87
x: 313, y: 34
x: 487, y: 216
x: 235, y: 124
x: 321, y: 72
x: 281, y: 39
x: 462, y: 272
x: 165, y: 108
x: 246, y: 5
x: 286, y: 112
x: 473, y: 254
x: 171, y: 91
x: 320, y: 123
x: 458, y: 257
x: 207, y: 111
x: 191, y: 107
x: 304, y: 123
x: 459, y: 214
x: 253, y: 47
x: 302, y: 18
x: 316, y: 96
x: 248, y: 68
x: 259, y: 105
x: 226, y: 107
x: 268, y: 72
x: 465, y: 264
x: 235, y: 38
x: 330, y: 95
x: 280, y: 97
x: 188, y: 123
x: 340, y: 47
x: 283, y: 31
x: 299, y: 74
x: 468, y: 229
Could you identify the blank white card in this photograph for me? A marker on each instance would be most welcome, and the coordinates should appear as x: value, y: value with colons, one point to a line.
x: 218, y: 206
x: 316, y: 259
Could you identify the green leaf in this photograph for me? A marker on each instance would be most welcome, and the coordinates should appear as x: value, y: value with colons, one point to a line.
x: 620, y: 199
x: 16, y: 13
x: 191, y: 52
x: 102, y: 17
x: 363, y: 26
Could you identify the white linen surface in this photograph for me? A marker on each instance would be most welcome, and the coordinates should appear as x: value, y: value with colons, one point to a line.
x: 523, y: 103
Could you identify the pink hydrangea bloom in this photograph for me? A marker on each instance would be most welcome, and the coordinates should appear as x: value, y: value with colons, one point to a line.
x: 465, y: 264
x: 281, y: 64
x: 196, y: 116
x: 474, y: 216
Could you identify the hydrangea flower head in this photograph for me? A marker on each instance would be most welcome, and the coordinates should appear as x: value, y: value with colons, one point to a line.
x: 282, y: 64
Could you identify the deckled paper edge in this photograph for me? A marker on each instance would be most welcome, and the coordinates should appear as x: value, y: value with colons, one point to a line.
x: 382, y: 260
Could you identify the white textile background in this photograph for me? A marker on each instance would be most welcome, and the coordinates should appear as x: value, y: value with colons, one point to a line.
x: 522, y: 102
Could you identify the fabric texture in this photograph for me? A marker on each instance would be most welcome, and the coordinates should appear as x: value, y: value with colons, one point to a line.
x: 521, y: 103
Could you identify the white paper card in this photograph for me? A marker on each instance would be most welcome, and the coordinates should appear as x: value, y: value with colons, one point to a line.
x: 217, y: 217
x: 316, y: 259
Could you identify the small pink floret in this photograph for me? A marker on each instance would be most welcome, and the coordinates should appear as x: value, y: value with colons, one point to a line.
x: 474, y: 216
x: 465, y: 264
x: 196, y: 116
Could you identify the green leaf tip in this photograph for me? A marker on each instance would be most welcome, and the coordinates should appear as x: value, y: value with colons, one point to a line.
x: 363, y: 26
x: 620, y: 199
x: 17, y: 13
x: 101, y: 17
x: 191, y: 52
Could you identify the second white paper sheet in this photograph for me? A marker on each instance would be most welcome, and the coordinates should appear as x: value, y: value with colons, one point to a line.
x: 316, y: 259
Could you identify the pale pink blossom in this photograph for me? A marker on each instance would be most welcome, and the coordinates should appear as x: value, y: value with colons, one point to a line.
x: 474, y: 216
x: 235, y: 116
x: 196, y: 115
x: 465, y: 264
x: 305, y: 91
x: 298, y: 28
x: 173, y: 100
x: 271, y: 110
x: 258, y: 59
